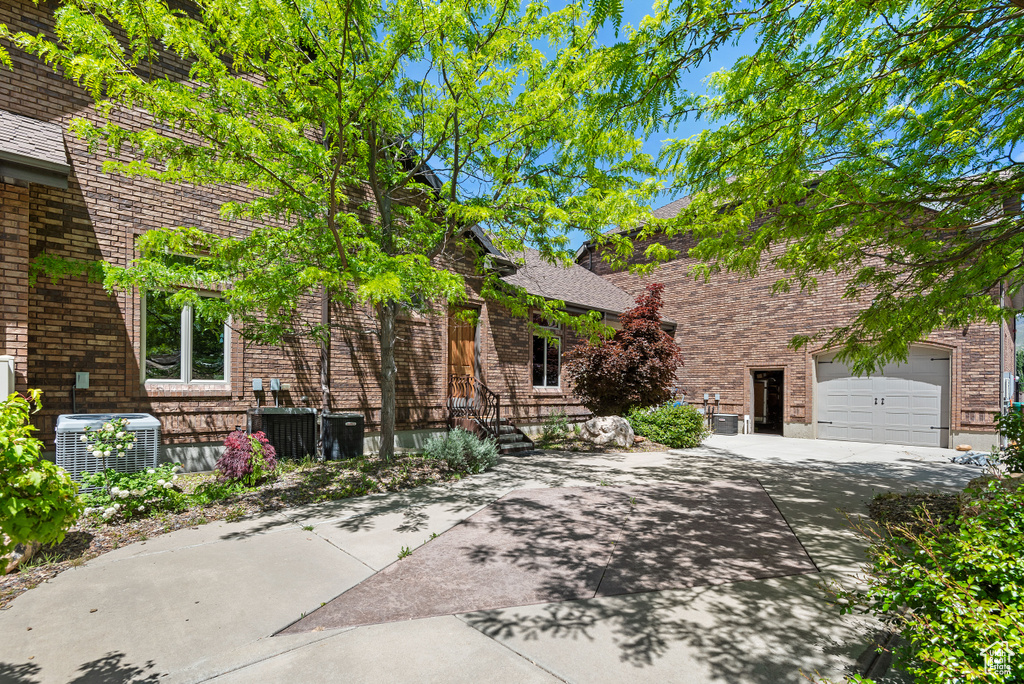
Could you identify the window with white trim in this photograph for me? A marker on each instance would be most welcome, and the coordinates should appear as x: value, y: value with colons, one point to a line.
x: 547, y: 354
x: 180, y: 347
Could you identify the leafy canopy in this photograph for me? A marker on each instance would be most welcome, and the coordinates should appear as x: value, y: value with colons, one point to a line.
x: 881, y: 139
x: 356, y: 141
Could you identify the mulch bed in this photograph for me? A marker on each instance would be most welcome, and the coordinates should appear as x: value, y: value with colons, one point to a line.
x: 912, y: 511
x: 917, y: 512
x: 299, y: 484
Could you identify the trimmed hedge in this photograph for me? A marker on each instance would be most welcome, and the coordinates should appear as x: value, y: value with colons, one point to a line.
x: 677, y: 426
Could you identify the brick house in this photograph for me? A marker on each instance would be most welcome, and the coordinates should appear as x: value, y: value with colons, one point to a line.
x: 195, y: 378
x: 734, y: 337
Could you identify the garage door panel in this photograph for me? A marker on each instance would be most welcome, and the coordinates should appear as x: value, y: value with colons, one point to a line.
x: 861, y: 434
x: 861, y: 402
x: 861, y: 384
x: 898, y: 419
x: 897, y: 436
x: 901, y: 405
x: 925, y: 402
x: 897, y: 401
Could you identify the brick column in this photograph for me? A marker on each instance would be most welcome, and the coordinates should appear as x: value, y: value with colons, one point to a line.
x: 14, y: 276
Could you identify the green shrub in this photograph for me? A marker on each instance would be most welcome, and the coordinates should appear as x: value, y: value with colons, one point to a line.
x: 463, y: 451
x: 953, y: 590
x: 38, y: 500
x: 133, y: 495
x: 1011, y: 426
x: 555, y: 426
x: 679, y: 427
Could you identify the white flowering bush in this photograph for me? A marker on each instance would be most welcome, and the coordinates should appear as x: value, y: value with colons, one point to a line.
x: 110, y: 440
x: 134, y: 495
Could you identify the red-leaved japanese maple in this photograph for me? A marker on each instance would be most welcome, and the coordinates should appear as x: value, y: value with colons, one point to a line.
x: 247, y: 457
x: 635, y: 368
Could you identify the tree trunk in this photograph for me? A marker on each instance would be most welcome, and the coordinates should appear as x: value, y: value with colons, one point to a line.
x: 387, y: 313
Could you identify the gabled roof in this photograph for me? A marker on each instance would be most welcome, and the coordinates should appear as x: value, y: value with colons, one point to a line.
x: 33, y: 151
x: 574, y: 285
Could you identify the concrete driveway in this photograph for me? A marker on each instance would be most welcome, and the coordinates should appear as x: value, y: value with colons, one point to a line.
x: 203, y: 604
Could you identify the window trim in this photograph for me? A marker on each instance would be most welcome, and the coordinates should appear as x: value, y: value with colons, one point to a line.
x: 557, y: 329
x: 187, y: 318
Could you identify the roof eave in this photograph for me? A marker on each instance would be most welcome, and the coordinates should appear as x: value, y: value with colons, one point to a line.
x: 34, y: 170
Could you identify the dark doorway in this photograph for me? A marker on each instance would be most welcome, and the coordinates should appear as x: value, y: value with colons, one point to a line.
x: 768, y: 401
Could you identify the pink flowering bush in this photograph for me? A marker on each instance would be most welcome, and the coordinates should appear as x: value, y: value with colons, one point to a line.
x: 247, y: 458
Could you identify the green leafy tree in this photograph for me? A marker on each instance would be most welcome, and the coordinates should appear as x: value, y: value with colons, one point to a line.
x: 38, y: 500
x: 881, y: 140
x: 371, y: 134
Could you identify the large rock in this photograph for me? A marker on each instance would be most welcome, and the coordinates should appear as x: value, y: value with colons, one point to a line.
x: 609, y: 430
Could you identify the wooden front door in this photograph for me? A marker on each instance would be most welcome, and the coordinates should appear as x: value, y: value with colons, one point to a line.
x: 461, y: 347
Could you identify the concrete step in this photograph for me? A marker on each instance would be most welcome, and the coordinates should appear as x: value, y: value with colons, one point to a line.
x: 511, y: 437
x: 515, y: 447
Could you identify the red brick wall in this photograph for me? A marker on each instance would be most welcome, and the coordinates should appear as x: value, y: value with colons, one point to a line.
x: 14, y: 231
x: 73, y: 325
x: 732, y: 324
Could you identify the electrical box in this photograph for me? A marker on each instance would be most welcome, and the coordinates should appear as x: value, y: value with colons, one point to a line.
x: 81, y: 380
x: 257, y: 384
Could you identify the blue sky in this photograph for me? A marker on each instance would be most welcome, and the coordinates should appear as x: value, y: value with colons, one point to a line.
x: 633, y: 14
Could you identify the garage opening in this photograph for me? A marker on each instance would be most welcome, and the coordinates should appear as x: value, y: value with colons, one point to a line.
x: 768, y: 401
x: 906, y: 403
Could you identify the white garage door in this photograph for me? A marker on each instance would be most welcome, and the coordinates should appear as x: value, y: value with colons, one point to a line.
x: 903, y: 404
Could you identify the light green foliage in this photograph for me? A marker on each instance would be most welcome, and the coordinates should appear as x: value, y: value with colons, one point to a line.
x: 38, y: 500
x: 555, y: 426
x: 882, y: 139
x: 133, y: 495
x: 463, y: 451
x: 1011, y: 426
x: 257, y: 463
x: 679, y: 427
x: 404, y: 552
x: 952, y: 591
x: 331, y: 111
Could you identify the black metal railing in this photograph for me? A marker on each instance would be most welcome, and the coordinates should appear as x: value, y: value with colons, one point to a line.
x: 470, y: 399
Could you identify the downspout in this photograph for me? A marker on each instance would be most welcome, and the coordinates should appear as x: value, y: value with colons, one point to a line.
x: 1002, y: 399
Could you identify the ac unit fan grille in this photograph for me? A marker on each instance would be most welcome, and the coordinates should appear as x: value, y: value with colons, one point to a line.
x: 74, y: 457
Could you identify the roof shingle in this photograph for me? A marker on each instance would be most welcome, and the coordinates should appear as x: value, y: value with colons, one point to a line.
x: 34, y: 140
x: 572, y: 285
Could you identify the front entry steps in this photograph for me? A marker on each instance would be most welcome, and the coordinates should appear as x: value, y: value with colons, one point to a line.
x: 511, y: 440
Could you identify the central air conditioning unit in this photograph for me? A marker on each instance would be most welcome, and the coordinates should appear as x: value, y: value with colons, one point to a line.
x: 74, y: 456
x: 291, y: 431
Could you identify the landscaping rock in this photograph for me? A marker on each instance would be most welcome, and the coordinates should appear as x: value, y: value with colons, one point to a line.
x: 21, y: 554
x: 608, y: 430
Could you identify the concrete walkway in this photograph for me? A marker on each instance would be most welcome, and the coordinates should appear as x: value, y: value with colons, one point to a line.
x: 201, y: 605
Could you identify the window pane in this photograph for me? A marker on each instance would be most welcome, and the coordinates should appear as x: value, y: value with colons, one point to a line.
x: 207, y: 350
x: 553, y: 362
x: 538, y: 361
x: 163, y: 338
